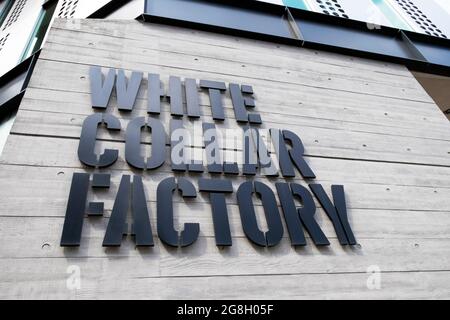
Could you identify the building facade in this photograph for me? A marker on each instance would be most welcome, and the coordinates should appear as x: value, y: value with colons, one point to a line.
x: 313, y: 159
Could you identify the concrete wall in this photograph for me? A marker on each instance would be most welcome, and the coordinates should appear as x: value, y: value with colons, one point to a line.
x: 365, y: 124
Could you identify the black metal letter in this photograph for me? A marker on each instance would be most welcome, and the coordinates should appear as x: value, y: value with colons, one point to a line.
x: 264, y: 161
x: 101, y: 90
x: 127, y: 94
x: 176, y: 97
x: 155, y: 93
x: 216, y: 189
x: 337, y: 212
x: 291, y: 216
x: 284, y: 160
x: 215, y: 90
x: 306, y: 213
x: 141, y: 227
x: 240, y: 103
x: 88, y: 137
x: 99, y: 181
x: 177, y: 144
x: 133, y: 143
x: 166, y: 230
x: 256, y: 154
x: 73, y: 222
x: 250, y: 153
x: 117, y: 226
x: 248, y: 217
x: 240, y: 112
x: 212, y: 148
x: 192, y: 103
x: 296, y: 154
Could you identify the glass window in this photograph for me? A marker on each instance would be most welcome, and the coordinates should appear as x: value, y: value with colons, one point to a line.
x: 40, y: 30
x: 5, y: 7
x: 2, y: 5
x: 300, y: 4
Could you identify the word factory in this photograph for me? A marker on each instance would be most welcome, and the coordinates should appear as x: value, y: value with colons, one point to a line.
x: 280, y: 154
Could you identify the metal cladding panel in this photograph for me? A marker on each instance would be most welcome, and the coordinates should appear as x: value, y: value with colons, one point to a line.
x: 343, y: 37
x: 423, y: 16
x: 256, y: 19
x: 131, y: 10
x: 364, y: 10
x: 279, y: 2
x: 329, y: 7
x: 15, y: 32
x: 434, y: 54
x: 78, y: 8
x: 428, y: 17
x: 219, y: 14
x: 12, y: 88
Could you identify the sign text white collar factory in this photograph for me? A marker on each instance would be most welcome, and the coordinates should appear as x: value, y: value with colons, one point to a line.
x: 131, y: 196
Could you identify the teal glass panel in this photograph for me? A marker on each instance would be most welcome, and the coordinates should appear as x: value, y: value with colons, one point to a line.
x: 395, y: 19
x: 5, y: 7
x: 40, y: 29
x: 299, y: 4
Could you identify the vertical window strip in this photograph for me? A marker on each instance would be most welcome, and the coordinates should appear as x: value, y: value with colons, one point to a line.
x: 5, y: 11
x: 40, y: 29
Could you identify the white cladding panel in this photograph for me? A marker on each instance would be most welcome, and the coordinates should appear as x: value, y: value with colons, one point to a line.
x: 16, y: 30
x: 131, y: 10
x: 78, y: 8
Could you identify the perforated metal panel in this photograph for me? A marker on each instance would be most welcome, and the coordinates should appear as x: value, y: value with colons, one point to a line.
x: 3, y: 41
x: 420, y: 18
x: 22, y: 18
x: 14, y: 14
x: 67, y: 9
x: 134, y: 9
x: 78, y: 9
x: 331, y: 7
x: 16, y: 30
